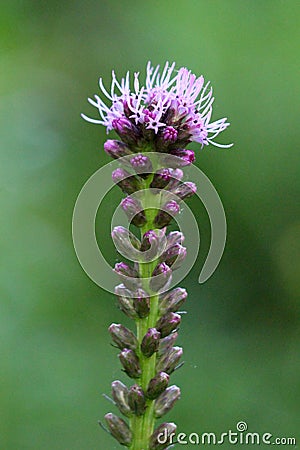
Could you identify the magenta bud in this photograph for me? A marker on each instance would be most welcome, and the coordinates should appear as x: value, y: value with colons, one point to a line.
x: 123, y: 337
x: 128, y: 275
x: 166, y: 401
x: 172, y: 300
x: 166, y: 324
x: 186, y: 156
x: 134, y: 211
x: 174, y: 237
x: 170, y: 134
x: 119, y: 429
x: 120, y: 397
x: 161, y: 179
x: 130, y: 362
x: 141, y: 303
x: 176, y: 177
x: 163, y: 436
x: 125, y: 301
x: 185, y: 190
x: 116, y: 149
x: 164, y: 217
x: 128, y: 183
x: 141, y: 164
x: 169, y: 361
x: 161, y: 277
x: 174, y: 256
x: 150, y: 342
x: 122, y: 125
x: 125, y: 241
x: 136, y: 399
x: 157, y: 385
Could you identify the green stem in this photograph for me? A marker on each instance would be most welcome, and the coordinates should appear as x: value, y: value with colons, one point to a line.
x: 142, y: 426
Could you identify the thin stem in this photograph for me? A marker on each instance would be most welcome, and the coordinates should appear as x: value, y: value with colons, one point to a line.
x: 143, y: 426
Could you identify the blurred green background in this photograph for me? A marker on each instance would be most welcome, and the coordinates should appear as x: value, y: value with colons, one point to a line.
x: 241, y: 335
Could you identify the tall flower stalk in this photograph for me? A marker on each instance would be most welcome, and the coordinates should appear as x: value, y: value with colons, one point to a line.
x: 155, y: 122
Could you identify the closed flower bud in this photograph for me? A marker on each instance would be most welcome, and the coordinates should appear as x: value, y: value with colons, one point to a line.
x: 128, y: 275
x: 125, y: 241
x: 176, y: 177
x: 150, y: 342
x: 125, y: 301
x: 161, y: 277
x: 130, y: 362
x: 163, y: 436
x: 166, y: 344
x: 168, y: 362
x: 164, y: 217
x: 141, y: 164
x: 141, y: 303
x: 185, y: 190
x: 186, y: 156
x: 116, y: 149
x: 123, y: 337
x: 167, y: 323
x: 136, y: 399
x: 174, y: 256
x: 172, y: 300
x: 120, y: 396
x: 161, y: 179
x: 133, y: 209
x: 128, y: 183
x: 166, y: 401
x: 157, y: 385
x: 119, y: 429
x: 153, y: 243
x: 170, y: 134
x: 174, y: 237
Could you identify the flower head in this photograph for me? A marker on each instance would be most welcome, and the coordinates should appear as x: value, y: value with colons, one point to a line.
x: 173, y: 108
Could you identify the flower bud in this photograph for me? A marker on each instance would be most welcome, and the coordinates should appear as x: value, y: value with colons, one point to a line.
x: 167, y: 323
x: 157, y: 385
x: 136, y: 399
x: 119, y: 429
x: 164, y: 217
x: 170, y: 134
x: 141, y: 303
x: 168, y: 362
x: 176, y: 177
x: 134, y: 211
x: 116, y: 149
x: 125, y: 241
x: 141, y: 164
x: 174, y: 237
x: 128, y: 275
x: 150, y: 342
x: 161, y: 277
x: 161, y: 179
x: 131, y: 363
x: 186, y: 156
x: 163, y: 436
x: 166, y: 344
x: 166, y: 401
x: 174, y: 256
x: 185, y: 190
x: 123, y: 337
x: 120, y: 396
x: 172, y: 300
x: 128, y: 183
x: 125, y: 301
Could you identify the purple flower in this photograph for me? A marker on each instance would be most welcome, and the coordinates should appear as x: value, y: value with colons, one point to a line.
x: 174, y: 105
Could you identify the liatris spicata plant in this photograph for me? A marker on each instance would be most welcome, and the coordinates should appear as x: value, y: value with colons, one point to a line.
x: 172, y: 109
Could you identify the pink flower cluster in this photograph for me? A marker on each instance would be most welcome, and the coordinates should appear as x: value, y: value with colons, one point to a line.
x: 175, y: 105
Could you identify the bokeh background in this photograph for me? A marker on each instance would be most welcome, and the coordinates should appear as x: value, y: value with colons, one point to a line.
x: 241, y: 333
